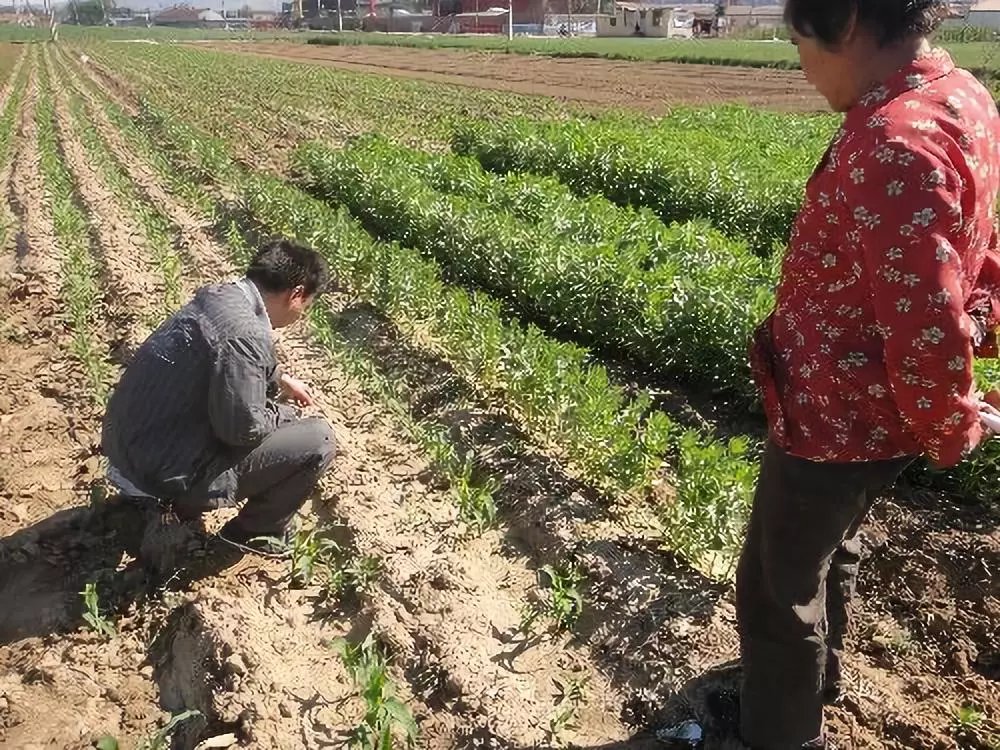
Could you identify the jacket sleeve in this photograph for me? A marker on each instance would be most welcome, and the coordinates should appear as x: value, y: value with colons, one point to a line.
x: 907, y: 214
x: 239, y: 410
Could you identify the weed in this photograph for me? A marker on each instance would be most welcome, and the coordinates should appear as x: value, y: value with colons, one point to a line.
x: 362, y: 574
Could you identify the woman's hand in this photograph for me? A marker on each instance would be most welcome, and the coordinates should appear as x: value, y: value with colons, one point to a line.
x: 989, y: 413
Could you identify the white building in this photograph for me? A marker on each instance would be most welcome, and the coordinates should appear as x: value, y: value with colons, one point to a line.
x: 636, y: 19
x: 985, y: 13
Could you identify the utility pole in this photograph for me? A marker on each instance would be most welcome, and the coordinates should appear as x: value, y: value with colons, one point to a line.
x: 510, y: 20
x: 340, y: 18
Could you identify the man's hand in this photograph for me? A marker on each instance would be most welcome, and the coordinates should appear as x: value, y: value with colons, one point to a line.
x: 295, y: 390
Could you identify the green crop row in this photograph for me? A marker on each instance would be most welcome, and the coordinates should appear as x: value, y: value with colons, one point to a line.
x: 81, y: 290
x: 237, y: 97
x: 8, y: 127
x: 617, y: 442
x: 156, y: 228
x: 682, y: 299
x: 749, y: 187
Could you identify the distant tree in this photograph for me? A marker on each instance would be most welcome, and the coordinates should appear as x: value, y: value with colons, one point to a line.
x: 85, y: 13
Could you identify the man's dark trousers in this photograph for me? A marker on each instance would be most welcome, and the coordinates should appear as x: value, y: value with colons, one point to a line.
x: 794, y: 583
x: 276, y: 477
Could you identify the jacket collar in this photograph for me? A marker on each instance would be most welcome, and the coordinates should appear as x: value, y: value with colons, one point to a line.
x: 916, y: 74
x: 253, y: 295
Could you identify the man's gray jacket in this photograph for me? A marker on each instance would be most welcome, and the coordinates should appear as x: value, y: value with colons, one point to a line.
x: 197, y: 397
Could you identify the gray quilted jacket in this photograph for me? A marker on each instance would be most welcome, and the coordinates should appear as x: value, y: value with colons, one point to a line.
x: 197, y: 397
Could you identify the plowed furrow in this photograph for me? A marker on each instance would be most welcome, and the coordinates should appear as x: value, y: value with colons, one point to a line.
x: 47, y: 441
x: 451, y: 606
x: 133, y: 280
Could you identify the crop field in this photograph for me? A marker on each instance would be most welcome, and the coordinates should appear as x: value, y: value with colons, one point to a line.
x: 766, y: 53
x: 535, y: 364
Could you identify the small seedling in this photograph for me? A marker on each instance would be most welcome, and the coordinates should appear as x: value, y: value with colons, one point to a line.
x: 363, y: 573
x: 570, y: 698
x: 383, y: 711
x: 92, y: 614
x: 564, y: 603
x: 311, y: 553
x: 475, y: 502
x: 160, y: 740
x: 565, y: 600
x: 967, y: 717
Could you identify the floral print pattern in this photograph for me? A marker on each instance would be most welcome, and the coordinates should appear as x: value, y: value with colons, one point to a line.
x: 891, y: 278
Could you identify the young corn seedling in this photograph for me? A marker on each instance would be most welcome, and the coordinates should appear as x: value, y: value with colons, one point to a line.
x: 92, y: 614
x: 475, y: 501
x: 384, y: 713
x: 563, y: 603
x: 160, y: 740
x: 311, y: 553
x: 570, y: 699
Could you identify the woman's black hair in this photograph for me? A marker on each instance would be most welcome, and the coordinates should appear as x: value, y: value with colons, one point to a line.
x: 890, y: 20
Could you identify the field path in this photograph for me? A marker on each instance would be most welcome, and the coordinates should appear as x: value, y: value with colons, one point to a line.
x: 645, y: 86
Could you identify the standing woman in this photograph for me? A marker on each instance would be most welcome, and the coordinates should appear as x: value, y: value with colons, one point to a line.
x: 887, y: 290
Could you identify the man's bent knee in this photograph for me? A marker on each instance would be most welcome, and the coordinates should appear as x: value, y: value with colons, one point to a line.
x: 321, y: 441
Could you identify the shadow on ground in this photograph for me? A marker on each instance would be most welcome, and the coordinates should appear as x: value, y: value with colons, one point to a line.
x: 127, y: 550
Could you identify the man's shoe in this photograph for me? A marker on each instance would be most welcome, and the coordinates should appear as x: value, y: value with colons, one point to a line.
x: 275, y: 546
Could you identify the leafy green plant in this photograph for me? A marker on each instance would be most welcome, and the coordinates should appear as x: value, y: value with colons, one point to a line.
x: 967, y: 717
x: 311, y: 552
x: 682, y: 167
x: 92, y: 612
x: 713, y: 481
x: 681, y: 298
x: 384, y: 712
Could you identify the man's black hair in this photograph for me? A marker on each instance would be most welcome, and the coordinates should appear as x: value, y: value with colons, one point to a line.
x: 890, y: 20
x: 282, y: 265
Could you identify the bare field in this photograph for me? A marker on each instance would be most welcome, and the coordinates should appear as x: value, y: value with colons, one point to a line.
x: 648, y: 87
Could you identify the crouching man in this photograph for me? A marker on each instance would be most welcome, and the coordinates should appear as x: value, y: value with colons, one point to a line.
x: 196, y: 421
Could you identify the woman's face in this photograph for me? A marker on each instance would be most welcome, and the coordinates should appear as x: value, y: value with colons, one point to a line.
x: 828, y: 70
